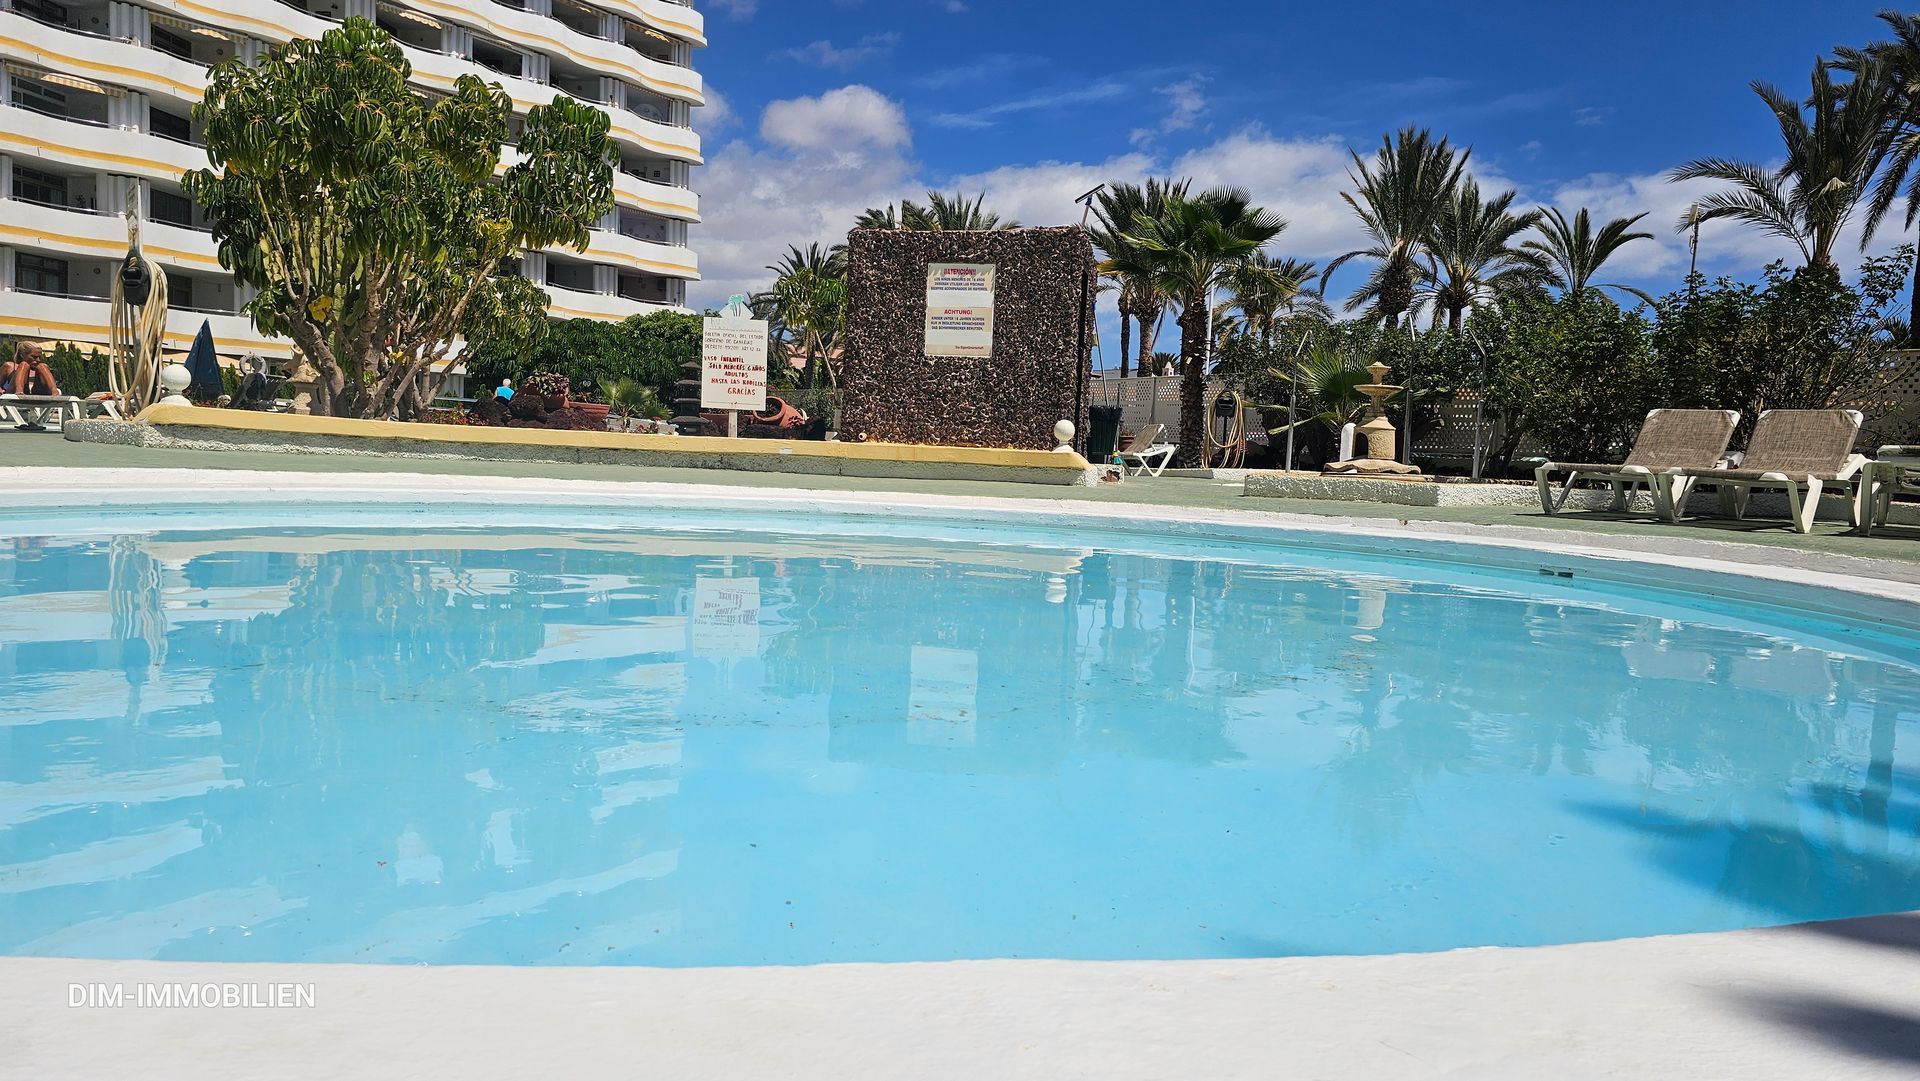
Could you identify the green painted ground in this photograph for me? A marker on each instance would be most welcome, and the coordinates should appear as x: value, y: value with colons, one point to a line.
x: 48, y: 449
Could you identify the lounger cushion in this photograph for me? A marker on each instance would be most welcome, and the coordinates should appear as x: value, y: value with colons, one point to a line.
x: 1802, y: 442
x: 1683, y: 439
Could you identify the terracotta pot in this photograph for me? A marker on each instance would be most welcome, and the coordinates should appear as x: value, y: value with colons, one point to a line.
x: 595, y: 411
x: 553, y: 402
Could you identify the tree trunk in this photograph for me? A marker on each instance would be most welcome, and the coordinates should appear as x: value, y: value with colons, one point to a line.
x: 1149, y: 317
x: 1193, y: 383
x: 1126, y: 342
x: 1455, y: 317
x: 1913, y: 310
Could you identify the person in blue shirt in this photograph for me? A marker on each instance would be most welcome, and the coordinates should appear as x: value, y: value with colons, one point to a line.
x: 504, y: 391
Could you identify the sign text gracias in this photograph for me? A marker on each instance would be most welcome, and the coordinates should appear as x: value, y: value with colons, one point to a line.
x: 960, y: 309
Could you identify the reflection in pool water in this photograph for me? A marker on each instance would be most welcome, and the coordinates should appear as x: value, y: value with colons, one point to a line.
x: 736, y: 748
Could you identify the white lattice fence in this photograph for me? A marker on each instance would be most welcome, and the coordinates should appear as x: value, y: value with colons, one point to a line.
x: 1892, y: 404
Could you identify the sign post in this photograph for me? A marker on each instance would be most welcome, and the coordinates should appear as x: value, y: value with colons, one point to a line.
x: 733, y: 363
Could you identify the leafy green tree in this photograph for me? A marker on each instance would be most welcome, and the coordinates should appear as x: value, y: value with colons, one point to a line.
x: 1834, y: 144
x: 1471, y: 253
x: 647, y: 350
x: 1116, y: 209
x: 1569, y: 252
x: 373, y: 220
x: 1800, y: 340
x: 1578, y: 377
x: 1398, y: 198
x: 1192, y: 248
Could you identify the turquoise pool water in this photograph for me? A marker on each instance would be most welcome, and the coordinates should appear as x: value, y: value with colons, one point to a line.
x: 731, y: 744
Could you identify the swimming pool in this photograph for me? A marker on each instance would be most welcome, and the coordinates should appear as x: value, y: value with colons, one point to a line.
x: 363, y: 734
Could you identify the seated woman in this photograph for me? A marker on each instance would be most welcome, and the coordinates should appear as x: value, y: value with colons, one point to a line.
x: 28, y: 373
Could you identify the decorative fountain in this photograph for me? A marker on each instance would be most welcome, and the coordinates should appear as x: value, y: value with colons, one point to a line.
x: 1378, y: 431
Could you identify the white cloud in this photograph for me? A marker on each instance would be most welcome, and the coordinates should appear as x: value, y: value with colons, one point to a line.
x: 852, y: 119
x: 827, y: 158
x: 1186, y: 101
x: 715, y: 116
x: 826, y: 54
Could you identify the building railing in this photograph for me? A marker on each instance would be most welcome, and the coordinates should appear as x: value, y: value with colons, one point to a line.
x: 32, y: 108
x: 72, y: 208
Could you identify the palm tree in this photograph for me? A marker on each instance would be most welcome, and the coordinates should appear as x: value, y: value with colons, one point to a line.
x: 1399, y: 198
x: 1834, y: 141
x: 809, y: 299
x: 873, y: 218
x: 942, y: 212
x: 1268, y: 291
x: 1570, y: 253
x: 1116, y: 208
x: 1900, y: 58
x: 1471, y: 253
x: 953, y: 213
x: 1195, y: 244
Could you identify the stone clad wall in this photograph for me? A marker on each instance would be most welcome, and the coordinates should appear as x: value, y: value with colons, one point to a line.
x: 893, y: 392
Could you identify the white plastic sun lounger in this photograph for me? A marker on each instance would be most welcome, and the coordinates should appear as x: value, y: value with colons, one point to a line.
x: 1144, y: 453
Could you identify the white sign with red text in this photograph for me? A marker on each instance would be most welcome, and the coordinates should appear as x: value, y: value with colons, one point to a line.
x: 733, y: 364
x: 960, y: 309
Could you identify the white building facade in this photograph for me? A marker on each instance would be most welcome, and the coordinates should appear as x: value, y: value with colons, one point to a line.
x: 97, y: 96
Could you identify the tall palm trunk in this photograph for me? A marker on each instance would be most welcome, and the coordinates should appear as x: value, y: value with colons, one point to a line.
x: 1193, y: 383
x: 1148, y: 316
x: 1913, y: 311
x: 1126, y: 341
x: 1456, y: 316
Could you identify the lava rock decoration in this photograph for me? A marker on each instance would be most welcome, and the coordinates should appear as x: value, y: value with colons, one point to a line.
x: 893, y: 392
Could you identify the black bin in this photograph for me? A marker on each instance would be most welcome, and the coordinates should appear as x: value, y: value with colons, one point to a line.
x: 1103, y: 433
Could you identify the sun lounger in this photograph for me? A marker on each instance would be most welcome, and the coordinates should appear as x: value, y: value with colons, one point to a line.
x: 1796, y: 451
x: 30, y: 411
x: 1144, y: 453
x: 1894, y: 470
x: 1668, y: 439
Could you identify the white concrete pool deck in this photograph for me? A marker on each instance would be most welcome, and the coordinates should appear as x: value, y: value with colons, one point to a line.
x: 1818, y: 1001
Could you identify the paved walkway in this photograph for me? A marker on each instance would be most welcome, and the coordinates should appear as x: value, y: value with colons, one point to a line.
x: 48, y: 449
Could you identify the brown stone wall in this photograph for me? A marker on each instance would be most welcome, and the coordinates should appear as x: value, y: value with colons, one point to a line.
x: 894, y: 392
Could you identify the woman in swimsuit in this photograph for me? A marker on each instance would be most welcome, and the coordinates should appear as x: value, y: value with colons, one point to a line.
x: 28, y: 373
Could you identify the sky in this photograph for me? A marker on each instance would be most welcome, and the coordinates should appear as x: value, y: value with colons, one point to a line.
x: 821, y: 108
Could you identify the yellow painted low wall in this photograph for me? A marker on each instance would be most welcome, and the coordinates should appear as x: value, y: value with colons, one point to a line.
x: 241, y: 429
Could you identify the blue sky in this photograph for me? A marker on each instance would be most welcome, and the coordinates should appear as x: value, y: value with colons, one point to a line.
x: 827, y: 106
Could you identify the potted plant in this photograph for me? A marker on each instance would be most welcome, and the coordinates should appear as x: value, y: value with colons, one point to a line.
x: 553, y: 387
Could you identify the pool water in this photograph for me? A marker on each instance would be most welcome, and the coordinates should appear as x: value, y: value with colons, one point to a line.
x: 722, y: 745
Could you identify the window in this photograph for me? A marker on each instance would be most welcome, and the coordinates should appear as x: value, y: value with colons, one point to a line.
x: 503, y: 60
x: 171, y: 209
x: 44, y: 10
x: 40, y: 97
x: 171, y: 43
x: 39, y: 274
x: 177, y: 128
x: 179, y: 290
x: 37, y: 187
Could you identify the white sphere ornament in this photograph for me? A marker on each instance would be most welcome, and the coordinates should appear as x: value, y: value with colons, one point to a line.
x: 1063, y: 435
x: 174, y: 379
